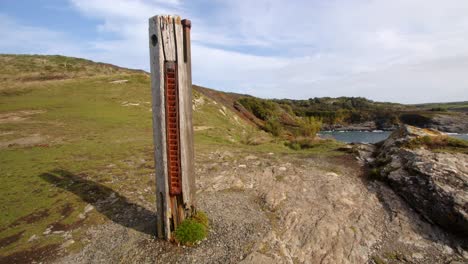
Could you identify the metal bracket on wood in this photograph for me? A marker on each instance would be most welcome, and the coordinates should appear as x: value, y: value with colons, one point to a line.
x: 171, y: 86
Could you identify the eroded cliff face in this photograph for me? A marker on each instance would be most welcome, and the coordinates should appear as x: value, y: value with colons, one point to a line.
x: 433, y: 182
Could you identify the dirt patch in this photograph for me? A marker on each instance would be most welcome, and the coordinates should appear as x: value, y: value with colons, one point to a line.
x: 66, y: 227
x: 10, y: 239
x: 201, y: 128
x: 31, y: 218
x: 43, y: 78
x: 31, y: 140
x: 346, y: 161
x: 31, y: 255
x: 119, y: 81
x: 18, y: 116
x: 6, y: 133
x: 67, y: 210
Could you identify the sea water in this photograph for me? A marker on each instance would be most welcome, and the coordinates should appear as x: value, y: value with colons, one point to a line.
x: 368, y: 136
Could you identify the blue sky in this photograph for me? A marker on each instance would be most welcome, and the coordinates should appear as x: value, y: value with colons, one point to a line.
x: 408, y: 51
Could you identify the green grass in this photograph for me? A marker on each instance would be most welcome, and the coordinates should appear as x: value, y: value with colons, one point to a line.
x: 26, y: 68
x: 189, y: 232
x: 84, y: 127
x: 440, y: 144
x: 448, y: 106
x: 91, y: 133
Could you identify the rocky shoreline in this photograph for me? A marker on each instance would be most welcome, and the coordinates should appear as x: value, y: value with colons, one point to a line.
x: 434, y: 183
x: 365, y: 126
x: 448, y: 123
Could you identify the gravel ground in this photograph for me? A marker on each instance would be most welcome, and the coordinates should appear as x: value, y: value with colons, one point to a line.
x: 283, y: 209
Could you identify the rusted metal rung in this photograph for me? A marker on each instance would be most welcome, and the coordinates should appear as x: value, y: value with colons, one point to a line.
x: 172, y: 128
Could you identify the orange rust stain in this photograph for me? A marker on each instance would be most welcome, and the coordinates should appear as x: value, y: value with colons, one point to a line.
x: 172, y: 129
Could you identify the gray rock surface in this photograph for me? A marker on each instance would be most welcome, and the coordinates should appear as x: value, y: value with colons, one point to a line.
x: 434, y: 183
x: 451, y: 123
x: 283, y: 209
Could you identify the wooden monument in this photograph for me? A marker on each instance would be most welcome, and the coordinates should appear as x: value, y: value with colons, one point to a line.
x: 171, y: 86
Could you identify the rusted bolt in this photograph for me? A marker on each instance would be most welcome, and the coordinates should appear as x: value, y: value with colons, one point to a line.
x: 187, y: 23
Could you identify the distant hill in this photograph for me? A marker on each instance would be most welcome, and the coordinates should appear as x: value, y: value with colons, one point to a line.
x: 52, y: 67
x: 451, y: 106
x: 343, y: 113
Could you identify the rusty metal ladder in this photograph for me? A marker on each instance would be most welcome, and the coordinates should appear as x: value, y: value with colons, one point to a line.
x: 172, y: 131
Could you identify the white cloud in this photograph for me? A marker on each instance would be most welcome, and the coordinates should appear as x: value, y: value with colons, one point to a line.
x: 17, y: 38
x: 400, y: 50
x: 123, y: 10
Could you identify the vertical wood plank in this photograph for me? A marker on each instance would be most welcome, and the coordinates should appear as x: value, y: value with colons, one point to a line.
x: 185, y: 104
x: 188, y: 112
x: 168, y: 38
x: 159, y: 127
x: 167, y: 45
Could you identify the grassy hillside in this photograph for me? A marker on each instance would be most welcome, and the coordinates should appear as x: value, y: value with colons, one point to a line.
x: 453, y: 106
x: 70, y: 135
x: 339, y: 112
x: 39, y: 68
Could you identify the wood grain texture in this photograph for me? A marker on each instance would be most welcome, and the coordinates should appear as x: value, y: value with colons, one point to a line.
x: 189, y: 116
x: 168, y: 37
x: 169, y: 46
x: 185, y: 117
x: 159, y: 127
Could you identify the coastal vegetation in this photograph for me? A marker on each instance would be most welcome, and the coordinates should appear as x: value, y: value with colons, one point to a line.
x: 76, y: 156
x: 287, y: 115
x: 440, y: 144
x: 76, y: 151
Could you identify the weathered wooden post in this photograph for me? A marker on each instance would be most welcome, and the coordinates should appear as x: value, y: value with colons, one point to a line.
x: 171, y: 85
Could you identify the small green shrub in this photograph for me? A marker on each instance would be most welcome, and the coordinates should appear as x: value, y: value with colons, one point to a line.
x: 189, y: 232
x: 287, y: 108
x: 262, y: 109
x: 274, y: 127
x: 201, y: 218
x: 309, y: 126
x: 302, y: 143
x: 294, y: 145
x: 250, y: 137
x: 192, y: 229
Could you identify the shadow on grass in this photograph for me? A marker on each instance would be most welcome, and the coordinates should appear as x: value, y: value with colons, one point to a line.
x: 108, y: 202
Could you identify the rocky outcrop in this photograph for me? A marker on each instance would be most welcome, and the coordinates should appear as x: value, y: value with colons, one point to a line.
x: 363, y: 126
x: 450, y: 122
x: 277, y: 208
x: 433, y: 183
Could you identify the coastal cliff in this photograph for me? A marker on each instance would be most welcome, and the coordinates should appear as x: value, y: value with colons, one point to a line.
x: 429, y: 170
